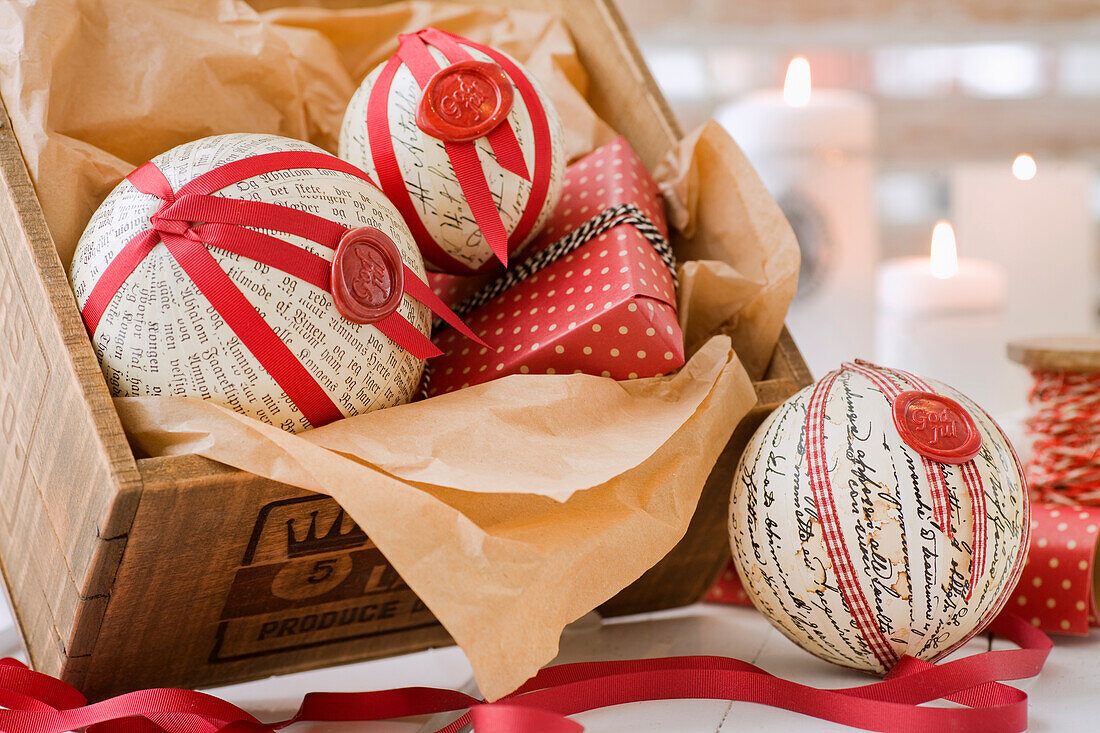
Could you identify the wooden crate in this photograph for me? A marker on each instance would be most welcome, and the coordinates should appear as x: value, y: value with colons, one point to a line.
x: 128, y: 572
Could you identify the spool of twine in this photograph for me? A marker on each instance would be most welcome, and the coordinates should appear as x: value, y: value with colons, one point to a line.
x: 1064, y: 466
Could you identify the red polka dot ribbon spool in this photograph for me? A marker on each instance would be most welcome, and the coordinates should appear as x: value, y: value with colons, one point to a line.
x: 1057, y: 591
x: 877, y: 514
x: 261, y: 273
x: 464, y: 142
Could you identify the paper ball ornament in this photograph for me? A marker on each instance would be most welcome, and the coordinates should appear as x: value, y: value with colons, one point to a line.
x: 258, y: 272
x: 877, y: 514
x: 464, y: 142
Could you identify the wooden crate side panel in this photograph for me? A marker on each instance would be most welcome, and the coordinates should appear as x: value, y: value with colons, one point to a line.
x: 27, y: 575
x: 787, y: 362
x: 622, y: 91
x: 66, y: 471
x: 90, y: 461
x: 228, y: 576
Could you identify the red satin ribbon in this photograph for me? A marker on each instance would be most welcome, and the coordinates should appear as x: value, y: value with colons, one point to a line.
x: 224, y: 222
x: 463, y: 155
x: 41, y: 704
x: 413, y: 53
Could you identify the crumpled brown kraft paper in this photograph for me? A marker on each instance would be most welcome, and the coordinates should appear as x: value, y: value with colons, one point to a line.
x: 504, y: 573
x: 741, y: 255
x: 514, y: 507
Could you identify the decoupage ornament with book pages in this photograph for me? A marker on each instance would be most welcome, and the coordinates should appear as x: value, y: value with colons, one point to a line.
x: 464, y: 142
x: 261, y: 273
x: 876, y: 514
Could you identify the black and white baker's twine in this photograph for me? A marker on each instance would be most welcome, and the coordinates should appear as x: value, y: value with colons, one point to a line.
x: 604, y: 221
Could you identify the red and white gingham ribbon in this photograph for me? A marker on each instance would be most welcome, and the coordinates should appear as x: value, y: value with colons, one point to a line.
x: 941, y: 502
x: 821, y: 486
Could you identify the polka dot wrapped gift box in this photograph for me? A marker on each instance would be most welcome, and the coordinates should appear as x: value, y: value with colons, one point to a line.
x: 607, y: 307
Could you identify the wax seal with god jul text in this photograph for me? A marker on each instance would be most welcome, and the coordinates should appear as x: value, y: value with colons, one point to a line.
x: 261, y: 273
x: 367, y: 275
x: 465, y: 143
x: 877, y: 514
x: 464, y: 101
x: 936, y: 426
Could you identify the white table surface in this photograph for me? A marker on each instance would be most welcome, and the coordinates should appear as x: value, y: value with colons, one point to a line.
x: 1066, y: 696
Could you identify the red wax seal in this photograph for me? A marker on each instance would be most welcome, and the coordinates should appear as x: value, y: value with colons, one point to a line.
x: 464, y: 101
x: 937, y: 427
x: 368, y: 276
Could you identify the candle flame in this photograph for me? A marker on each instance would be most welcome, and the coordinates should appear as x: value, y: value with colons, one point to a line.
x: 1024, y: 167
x: 944, y: 254
x: 796, y: 87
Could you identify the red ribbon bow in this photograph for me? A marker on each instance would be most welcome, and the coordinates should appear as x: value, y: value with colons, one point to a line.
x: 224, y: 222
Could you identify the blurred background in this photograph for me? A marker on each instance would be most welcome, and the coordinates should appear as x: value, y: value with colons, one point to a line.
x: 974, y: 120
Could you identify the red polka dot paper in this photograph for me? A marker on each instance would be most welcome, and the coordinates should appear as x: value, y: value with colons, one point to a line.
x: 612, y: 174
x: 608, y: 308
x: 728, y: 589
x: 1056, y: 591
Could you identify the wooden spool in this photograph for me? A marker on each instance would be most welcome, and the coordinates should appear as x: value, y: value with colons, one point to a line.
x: 1057, y: 353
x: 1061, y: 354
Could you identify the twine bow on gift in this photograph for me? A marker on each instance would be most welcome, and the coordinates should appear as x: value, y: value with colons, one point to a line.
x: 190, y: 220
x: 605, y: 221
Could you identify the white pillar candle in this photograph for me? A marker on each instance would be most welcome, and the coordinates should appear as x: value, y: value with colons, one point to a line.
x: 1034, y: 218
x: 813, y: 149
x: 943, y: 316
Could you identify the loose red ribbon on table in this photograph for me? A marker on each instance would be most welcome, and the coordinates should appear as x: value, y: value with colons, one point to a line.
x: 413, y: 53
x: 191, y: 219
x: 38, y: 703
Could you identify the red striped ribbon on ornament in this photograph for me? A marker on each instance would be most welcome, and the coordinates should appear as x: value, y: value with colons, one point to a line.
x: 413, y: 53
x: 38, y: 703
x: 1020, y: 560
x: 935, y: 471
x: 832, y: 534
x: 190, y: 220
x: 976, y: 492
x: 941, y: 502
